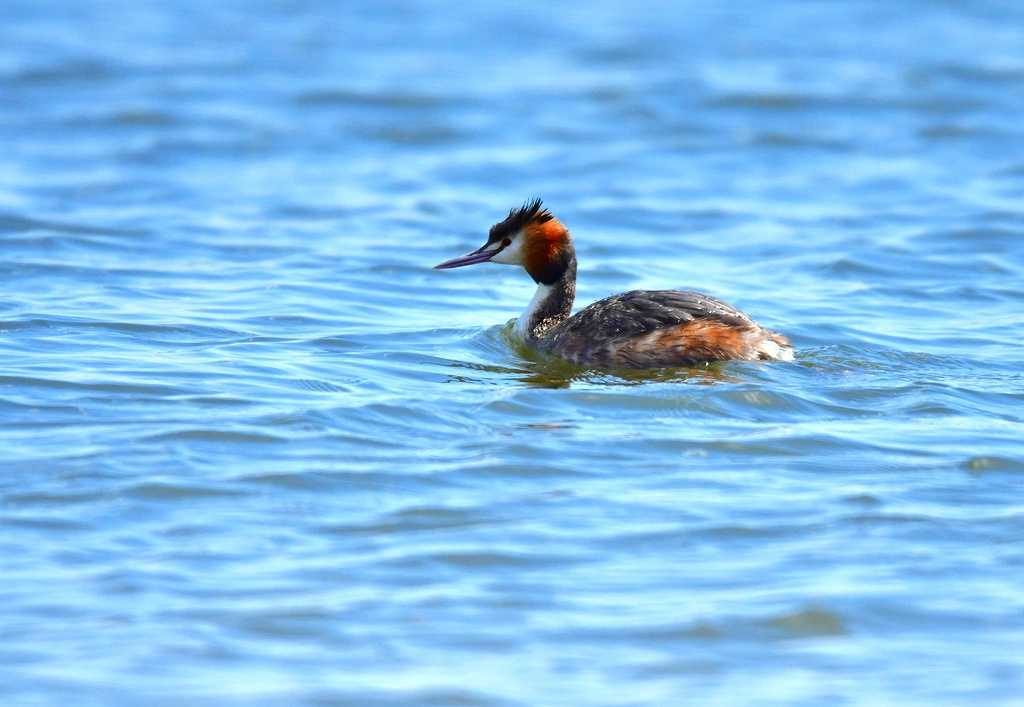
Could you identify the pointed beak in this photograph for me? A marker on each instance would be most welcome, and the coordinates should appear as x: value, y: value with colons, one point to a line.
x: 477, y: 256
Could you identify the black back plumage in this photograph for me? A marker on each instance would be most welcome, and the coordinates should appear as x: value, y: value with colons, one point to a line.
x: 640, y: 311
x: 608, y: 332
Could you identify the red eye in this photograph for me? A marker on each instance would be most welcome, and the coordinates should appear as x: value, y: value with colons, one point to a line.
x: 506, y: 243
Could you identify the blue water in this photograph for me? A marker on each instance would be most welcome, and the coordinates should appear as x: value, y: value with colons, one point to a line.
x: 255, y: 451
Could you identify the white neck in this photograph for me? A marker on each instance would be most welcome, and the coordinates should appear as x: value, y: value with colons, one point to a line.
x: 526, y: 319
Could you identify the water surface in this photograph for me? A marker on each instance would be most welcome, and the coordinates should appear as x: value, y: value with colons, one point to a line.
x: 257, y: 452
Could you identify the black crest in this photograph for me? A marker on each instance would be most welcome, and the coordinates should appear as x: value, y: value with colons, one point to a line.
x: 517, y: 220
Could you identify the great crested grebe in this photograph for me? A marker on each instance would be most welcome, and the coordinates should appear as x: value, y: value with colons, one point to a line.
x: 638, y: 329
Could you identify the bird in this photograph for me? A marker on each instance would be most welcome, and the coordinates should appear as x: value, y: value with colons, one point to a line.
x: 640, y: 329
